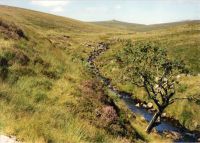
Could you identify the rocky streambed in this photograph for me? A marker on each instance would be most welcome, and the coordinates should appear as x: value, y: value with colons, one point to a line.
x: 167, y: 127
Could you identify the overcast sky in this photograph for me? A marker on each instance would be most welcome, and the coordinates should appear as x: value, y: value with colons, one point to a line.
x: 136, y: 11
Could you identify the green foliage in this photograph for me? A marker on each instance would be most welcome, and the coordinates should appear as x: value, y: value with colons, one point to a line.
x: 147, y: 60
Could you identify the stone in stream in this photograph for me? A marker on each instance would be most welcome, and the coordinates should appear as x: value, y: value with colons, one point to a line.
x: 164, y: 115
x: 152, y: 110
x: 198, y: 139
x: 137, y: 105
x: 150, y: 105
x: 144, y: 106
x: 173, y: 135
x: 143, y: 119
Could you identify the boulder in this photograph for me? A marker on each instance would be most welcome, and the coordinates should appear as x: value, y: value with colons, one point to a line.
x: 8, y: 139
x: 152, y: 110
x: 142, y: 118
x: 198, y: 139
x: 137, y: 105
x: 173, y: 135
x: 144, y: 106
x: 164, y: 115
x: 150, y: 105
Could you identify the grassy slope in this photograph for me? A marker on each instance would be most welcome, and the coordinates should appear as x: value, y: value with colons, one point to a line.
x: 181, y: 42
x: 51, y: 96
x: 46, y: 91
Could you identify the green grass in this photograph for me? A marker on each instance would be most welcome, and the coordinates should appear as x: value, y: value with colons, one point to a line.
x: 184, y: 111
x: 44, y: 96
x: 47, y: 93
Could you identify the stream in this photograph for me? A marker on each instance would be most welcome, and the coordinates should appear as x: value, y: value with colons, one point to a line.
x: 164, y: 126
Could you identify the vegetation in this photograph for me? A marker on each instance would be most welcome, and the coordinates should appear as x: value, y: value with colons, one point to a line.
x: 47, y: 93
x: 109, y: 66
x: 148, y: 66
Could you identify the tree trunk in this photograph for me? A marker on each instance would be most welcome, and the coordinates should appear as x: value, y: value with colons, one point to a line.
x: 153, y: 121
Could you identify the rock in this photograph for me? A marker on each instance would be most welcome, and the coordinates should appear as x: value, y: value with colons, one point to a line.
x: 144, y: 106
x: 152, y: 110
x: 164, y: 115
x: 6, y: 139
x: 173, y: 135
x: 198, y: 139
x: 137, y: 105
x: 150, y: 105
x: 176, y: 135
x: 158, y: 120
x: 142, y: 118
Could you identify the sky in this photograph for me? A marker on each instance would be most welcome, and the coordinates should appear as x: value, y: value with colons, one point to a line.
x: 133, y: 11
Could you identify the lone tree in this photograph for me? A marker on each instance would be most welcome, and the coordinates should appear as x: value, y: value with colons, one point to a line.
x: 148, y: 66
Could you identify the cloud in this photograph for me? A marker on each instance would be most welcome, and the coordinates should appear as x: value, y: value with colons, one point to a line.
x: 54, y: 6
x: 50, y: 3
x: 57, y: 9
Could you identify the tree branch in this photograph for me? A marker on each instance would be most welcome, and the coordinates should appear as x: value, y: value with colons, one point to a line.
x: 152, y: 97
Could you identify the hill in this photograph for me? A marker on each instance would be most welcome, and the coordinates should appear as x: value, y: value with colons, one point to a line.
x: 48, y: 93
x: 134, y: 27
x: 119, y: 25
x: 43, y: 21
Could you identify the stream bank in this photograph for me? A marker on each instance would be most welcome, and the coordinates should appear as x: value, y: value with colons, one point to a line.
x: 167, y: 127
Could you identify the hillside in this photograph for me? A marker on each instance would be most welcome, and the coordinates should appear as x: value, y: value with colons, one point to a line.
x: 180, y: 38
x: 181, y: 42
x: 134, y: 27
x: 42, y: 21
x: 119, y: 25
x: 48, y: 92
